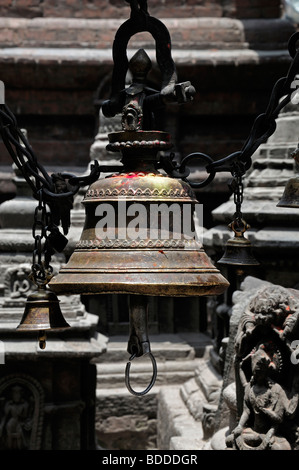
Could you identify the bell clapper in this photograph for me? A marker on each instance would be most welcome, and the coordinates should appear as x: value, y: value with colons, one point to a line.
x: 42, y: 338
x: 139, y: 344
x: 153, y: 379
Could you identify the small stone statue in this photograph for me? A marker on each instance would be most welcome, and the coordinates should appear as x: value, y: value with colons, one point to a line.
x: 274, y: 311
x: 266, y: 377
x: 139, y: 103
x: 15, y: 421
x: 266, y: 406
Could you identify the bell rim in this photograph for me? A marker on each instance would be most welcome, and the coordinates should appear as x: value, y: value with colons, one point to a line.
x: 42, y: 327
x: 216, y: 284
x: 227, y: 262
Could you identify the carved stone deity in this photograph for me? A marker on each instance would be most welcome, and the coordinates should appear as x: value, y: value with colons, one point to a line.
x: 266, y: 368
x: 21, y: 413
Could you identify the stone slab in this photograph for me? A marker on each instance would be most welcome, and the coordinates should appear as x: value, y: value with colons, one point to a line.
x: 164, y: 346
x: 117, y: 8
x: 88, y: 56
x: 176, y: 361
x: 177, y: 430
x: 185, y: 32
x: 22, y: 350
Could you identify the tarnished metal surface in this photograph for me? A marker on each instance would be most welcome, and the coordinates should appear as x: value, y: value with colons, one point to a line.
x: 149, y: 262
x: 238, y: 251
x: 138, y: 344
x: 152, y: 266
x: 42, y: 312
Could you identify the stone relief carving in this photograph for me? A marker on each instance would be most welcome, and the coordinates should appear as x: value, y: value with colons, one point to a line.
x: 17, y: 284
x: 21, y: 413
x: 267, y: 379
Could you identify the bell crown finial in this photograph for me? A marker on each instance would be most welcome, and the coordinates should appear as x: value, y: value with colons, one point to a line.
x: 140, y: 65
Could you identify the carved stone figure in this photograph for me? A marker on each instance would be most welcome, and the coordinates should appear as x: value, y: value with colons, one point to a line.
x: 266, y: 405
x: 266, y: 376
x: 21, y: 413
x: 16, y: 282
x: 273, y: 312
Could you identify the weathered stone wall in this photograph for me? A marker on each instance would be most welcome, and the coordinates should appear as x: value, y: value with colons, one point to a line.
x: 115, y: 8
x: 56, y: 63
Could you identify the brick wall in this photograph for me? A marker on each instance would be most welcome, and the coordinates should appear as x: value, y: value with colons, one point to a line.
x: 53, y: 94
x: 257, y: 8
x: 119, y: 8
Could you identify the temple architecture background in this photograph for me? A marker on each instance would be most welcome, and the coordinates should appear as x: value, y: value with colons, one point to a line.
x: 56, y: 63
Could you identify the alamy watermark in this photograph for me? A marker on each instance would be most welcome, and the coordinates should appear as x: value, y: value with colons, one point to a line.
x: 2, y: 353
x: 155, y: 221
x: 2, y: 92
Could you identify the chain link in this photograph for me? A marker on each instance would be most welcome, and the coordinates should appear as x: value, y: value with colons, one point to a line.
x: 42, y: 271
x: 238, y: 198
x: 263, y: 127
x: 54, y: 195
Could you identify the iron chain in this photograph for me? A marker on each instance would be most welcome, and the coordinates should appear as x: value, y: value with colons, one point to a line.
x: 41, y: 269
x: 263, y: 127
x: 238, y: 189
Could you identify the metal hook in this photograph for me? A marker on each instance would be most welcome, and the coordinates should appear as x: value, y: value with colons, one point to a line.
x: 139, y: 344
x: 153, y: 379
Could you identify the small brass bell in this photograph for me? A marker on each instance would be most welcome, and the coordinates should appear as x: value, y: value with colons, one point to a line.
x: 290, y: 197
x: 238, y: 249
x: 42, y: 313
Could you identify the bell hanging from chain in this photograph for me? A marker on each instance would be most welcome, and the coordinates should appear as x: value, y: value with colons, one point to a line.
x: 290, y: 197
x: 42, y: 310
x: 238, y: 251
x: 135, y: 238
x: 42, y: 313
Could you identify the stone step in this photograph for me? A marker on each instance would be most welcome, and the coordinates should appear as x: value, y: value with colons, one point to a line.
x: 189, y: 32
x: 185, y: 346
x: 168, y: 373
x: 177, y: 357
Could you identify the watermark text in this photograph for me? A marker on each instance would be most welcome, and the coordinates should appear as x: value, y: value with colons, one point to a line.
x: 2, y: 353
x: 141, y: 221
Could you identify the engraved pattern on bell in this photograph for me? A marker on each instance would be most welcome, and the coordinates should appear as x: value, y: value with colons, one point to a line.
x: 152, y: 265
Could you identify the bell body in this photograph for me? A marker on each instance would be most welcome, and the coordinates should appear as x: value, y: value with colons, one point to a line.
x: 134, y: 240
x: 42, y: 312
x: 238, y: 252
x: 290, y: 197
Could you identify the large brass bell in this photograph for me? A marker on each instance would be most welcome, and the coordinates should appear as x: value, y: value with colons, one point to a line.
x: 151, y: 260
x: 42, y: 313
x: 238, y: 251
